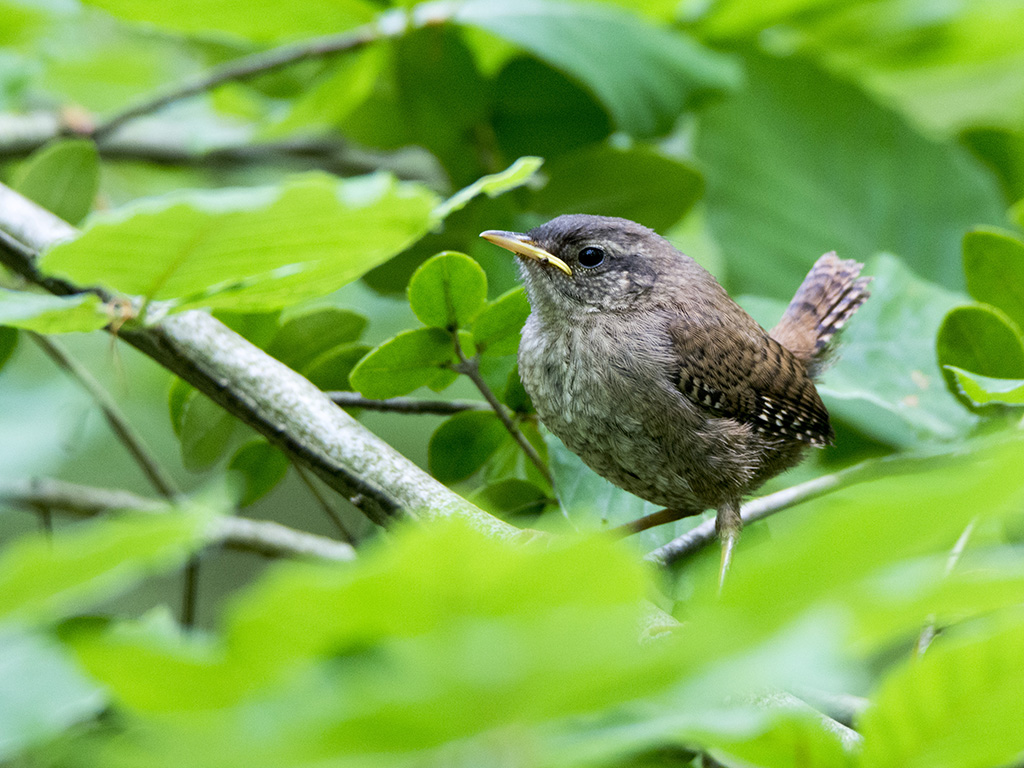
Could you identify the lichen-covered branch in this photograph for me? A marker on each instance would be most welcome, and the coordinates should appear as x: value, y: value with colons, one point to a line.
x: 265, y: 394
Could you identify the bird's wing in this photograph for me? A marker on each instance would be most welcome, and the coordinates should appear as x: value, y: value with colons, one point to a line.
x: 731, y: 367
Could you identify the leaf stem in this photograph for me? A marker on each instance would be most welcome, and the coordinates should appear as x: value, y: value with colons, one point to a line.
x: 470, y: 366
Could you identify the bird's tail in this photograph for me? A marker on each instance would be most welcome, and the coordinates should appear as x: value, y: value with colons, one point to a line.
x: 828, y: 296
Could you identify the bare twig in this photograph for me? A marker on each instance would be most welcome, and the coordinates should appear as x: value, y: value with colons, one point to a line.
x: 758, y: 509
x: 260, y: 536
x: 407, y: 404
x: 247, y: 67
x: 117, y: 421
x: 929, y: 631
x: 470, y: 366
x: 265, y: 394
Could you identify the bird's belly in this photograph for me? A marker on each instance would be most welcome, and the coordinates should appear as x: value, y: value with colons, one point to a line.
x: 624, y: 420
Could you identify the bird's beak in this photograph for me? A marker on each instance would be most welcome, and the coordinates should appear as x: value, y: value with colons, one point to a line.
x: 523, y: 246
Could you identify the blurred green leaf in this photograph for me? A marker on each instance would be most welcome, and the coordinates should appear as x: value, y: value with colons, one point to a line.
x: 887, y: 382
x: 62, y: 177
x: 249, y: 249
x: 44, y: 313
x: 332, y: 370
x: 262, y: 467
x: 640, y: 184
x: 259, y: 20
x: 981, y: 339
x: 994, y: 265
x: 959, y: 705
x: 448, y: 290
x: 516, y: 175
x: 8, y: 343
x: 511, y: 498
x: 305, y: 336
x: 42, y: 693
x: 205, y: 430
x: 496, y: 330
x: 515, y: 395
x: 46, y: 577
x: 1003, y: 152
x: 778, y: 204
x: 643, y: 74
x: 461, y: 446
x: 985, y: 390
x: 403, y: 363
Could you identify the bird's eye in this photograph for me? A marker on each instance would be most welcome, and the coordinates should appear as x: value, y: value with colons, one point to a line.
x: 591, y: 257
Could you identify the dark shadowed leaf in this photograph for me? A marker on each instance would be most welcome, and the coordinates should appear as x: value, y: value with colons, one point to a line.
x: 331, y: 370
x: 981, y: 339
x: 304, y: 337
x: 8, y: 343
x: 462, y: 445
x: 262, y: 467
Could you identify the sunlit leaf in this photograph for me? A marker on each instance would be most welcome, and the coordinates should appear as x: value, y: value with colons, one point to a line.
x: 984, y: 390
x: 497, y: 328
x: 516, y: 175
x: 44, y: 313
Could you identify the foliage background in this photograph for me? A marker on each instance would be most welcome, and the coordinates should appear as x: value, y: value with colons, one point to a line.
x: 756, y: 135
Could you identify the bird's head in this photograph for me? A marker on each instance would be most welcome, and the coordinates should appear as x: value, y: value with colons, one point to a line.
x: 579, y: 263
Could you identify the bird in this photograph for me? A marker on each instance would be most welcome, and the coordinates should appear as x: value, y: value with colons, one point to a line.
x: 640, y: 362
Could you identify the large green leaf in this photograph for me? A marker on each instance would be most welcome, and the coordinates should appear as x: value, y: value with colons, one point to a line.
x: 959, y: 706
x: 249, y: 249
x: 41, y: 691
x: 981, y: 339
x: 887, y: 381
x: 800, y: 163
x: 260, y: 20
x: 62, y: 177
x: 639, y: 184
x: 410, y: 360
x: 45, y: 577
x: 994, y: 265
x: 44, y: 313
x: 644, y: 75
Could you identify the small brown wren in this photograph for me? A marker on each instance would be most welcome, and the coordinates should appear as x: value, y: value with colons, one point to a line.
x: 641, y: 363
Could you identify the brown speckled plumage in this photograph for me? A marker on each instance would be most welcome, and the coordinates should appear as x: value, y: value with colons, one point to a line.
x: 647, y: 369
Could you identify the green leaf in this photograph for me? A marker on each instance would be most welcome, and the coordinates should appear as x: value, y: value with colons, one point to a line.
x: 448, y: 290
x: 496, y: 330
x: 463, y: 444
x: 994, y: 265
x: 981, y: 339
x: 262, y: 467
x: 206, y: 431
x: 789, y: 196
x: 249, y: 250
x: 958, y: 705
x: 515, y: 395
x: 403, y: 363
x: 887, y: 382
x: 44, y: 313
x: 304, y: 337
x: 8, y: 343
x: 62, y: 177
x: 42, y: 692
x: 46, y: 577
x: 985, y: 390
x: 1003, y: 152
x: 332, y: 370
x: 259, y: 20
x: 644, y: 75
x: 640, y: 184
x: 511, y: 498
x: 516, y: 175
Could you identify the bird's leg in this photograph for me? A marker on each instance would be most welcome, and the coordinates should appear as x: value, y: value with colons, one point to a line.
x: 654, y: 519
x: 728, y: 523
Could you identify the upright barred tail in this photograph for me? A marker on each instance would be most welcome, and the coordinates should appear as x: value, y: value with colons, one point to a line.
x: 828, y: 296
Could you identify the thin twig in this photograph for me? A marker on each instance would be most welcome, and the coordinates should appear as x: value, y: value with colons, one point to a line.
x: 470, y: 366
x: 758, y: 509
x: 929, y: 631
x: 407, y: 404
x: 260, y: 63
x: 260, y: 536
x: 330, y: 511
x: 124, y: 431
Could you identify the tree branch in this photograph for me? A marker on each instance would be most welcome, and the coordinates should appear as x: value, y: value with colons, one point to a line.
x: 406, y: 404
x: 766, y: 506
x: 261, y: 536
x: 265, y: 394
x: 119, y: 425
